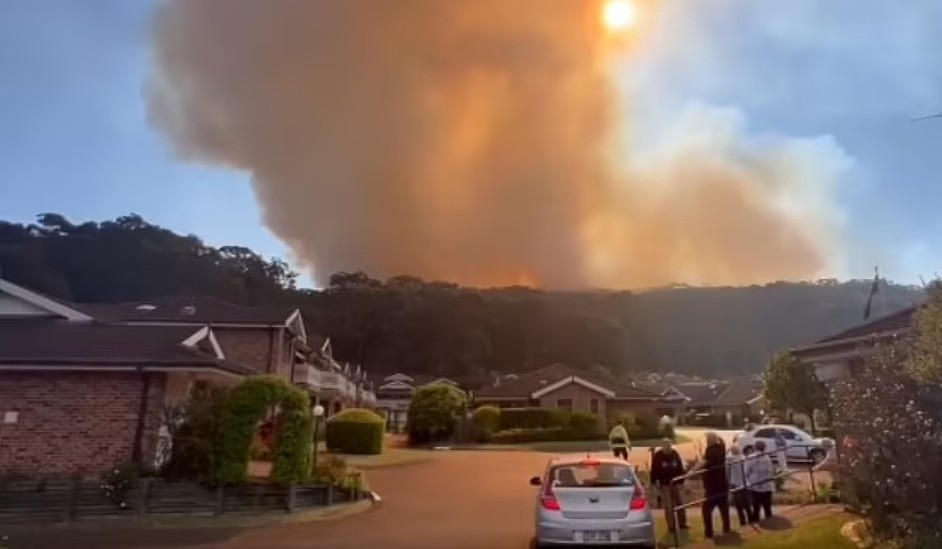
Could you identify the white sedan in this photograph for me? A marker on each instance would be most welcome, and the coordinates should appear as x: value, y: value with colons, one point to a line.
x: 800, y: 445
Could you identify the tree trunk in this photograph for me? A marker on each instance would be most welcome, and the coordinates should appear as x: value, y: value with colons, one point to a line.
x: 814, y: 428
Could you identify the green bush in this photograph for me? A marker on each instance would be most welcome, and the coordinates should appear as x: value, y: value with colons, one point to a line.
x: 533, y: 418
x: 584, y: 422
x: 239, y: 416
x: 485, y: 421
x: 544, y: 434
x: 356, y: 431
x: 434, y: 413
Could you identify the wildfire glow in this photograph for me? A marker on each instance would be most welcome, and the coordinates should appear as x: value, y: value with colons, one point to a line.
x: 619, y: 14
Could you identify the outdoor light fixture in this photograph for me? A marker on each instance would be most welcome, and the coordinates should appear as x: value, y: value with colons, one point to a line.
x: 318, y: 412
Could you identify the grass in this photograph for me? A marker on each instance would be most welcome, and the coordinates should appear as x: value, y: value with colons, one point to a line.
x: 392, y: 455
x: 823, y: 532
x: 571, y: 446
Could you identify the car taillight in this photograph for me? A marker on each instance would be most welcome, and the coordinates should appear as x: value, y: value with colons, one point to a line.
x: 638, y: 500
x: 548, y: 499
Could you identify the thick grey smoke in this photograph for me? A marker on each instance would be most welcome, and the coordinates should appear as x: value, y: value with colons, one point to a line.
x: 466, y: 140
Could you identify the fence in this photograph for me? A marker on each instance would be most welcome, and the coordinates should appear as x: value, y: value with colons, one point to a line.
x: 65, y: 500
x: 674, y: 508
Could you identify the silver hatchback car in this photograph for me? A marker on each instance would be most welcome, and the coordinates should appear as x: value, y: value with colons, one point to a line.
x: 594, y: 501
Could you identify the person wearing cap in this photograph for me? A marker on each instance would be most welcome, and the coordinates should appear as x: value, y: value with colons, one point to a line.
x: 666, y: 466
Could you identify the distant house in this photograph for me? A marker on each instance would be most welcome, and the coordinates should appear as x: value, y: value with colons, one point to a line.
x: 839, y: 355
x: 395, y: 392
x: 83, y: 387
x: 563, y: 387
x: 734, y: 400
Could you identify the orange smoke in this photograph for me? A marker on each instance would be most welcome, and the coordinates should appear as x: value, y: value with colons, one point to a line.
x: 464, y: 140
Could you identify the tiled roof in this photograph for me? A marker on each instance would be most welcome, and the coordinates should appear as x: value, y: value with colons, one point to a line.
x: 702, y: 394
x: 528, y: 383
x: 900, y: 320
x: 58, y: 343
x: 196, y: 310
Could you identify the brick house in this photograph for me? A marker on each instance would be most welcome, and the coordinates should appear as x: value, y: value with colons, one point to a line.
x: 83, y: 387
x: 838, y: 355
x: 270, y: 340
x: 560, y: 386
x: 734, y: 401
x: 395, y: 392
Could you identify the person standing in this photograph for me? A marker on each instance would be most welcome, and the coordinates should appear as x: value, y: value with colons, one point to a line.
x: 618, y: 441
x: 666, y: 466
x: 760, y: 474
x: 715, y: 483
x: 738, y: 486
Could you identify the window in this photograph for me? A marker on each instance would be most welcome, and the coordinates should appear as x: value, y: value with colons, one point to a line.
x: 788, y: 434
x: 584, y: 475
x: 765, y: 433
x: 564, y: 403
x: 594, y: 405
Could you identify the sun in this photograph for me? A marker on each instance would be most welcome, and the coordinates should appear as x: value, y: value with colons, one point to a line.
x: 619, y: 14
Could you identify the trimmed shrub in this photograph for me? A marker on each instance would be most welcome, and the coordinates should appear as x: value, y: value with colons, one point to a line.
x: 434, y: 413
x: 533, y: 418
x: 584, y: 422
x: 485, y: 421
x: 551, y: 434
x: 239, y: 417
x: 355, y: 431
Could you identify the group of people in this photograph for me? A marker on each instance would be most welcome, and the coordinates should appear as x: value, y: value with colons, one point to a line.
x: 745, y: 477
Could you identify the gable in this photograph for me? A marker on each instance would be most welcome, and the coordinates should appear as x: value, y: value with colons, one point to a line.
x: 573, y: 380
x: 18, y: 302
x: 403, y: 378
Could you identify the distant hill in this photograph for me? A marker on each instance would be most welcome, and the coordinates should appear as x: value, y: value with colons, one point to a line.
x: 406, y: 324
x: 736, y: 330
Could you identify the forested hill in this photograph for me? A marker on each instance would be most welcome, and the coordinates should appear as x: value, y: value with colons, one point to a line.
x: 406, y: 324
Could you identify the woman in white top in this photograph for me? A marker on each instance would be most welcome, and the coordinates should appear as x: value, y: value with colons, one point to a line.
x: 760, y: 476
x: 736, y: 472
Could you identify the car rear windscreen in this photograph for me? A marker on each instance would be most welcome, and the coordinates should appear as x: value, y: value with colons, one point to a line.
x: 588, y: 475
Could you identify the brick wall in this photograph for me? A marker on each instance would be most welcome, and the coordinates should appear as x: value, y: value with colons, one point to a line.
x: 581, y: 397
x: 74, y: 422
x: 257, y: 348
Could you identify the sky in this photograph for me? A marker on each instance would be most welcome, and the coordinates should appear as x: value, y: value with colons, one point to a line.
x: 845, y: 75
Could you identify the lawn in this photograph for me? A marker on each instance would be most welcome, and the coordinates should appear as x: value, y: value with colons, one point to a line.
x: 822, y: 532
x: 573, y: 446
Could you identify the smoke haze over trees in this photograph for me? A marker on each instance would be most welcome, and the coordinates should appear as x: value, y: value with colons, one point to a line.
x: 475, y: 141
x: 407, y: 324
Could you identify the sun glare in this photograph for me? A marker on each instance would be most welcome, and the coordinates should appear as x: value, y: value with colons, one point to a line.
x: 619, y: 14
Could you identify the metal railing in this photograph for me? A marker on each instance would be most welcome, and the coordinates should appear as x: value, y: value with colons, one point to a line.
x: 781, y: 470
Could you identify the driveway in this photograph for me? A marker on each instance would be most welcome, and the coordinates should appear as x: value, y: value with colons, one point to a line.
x: 459, y: 499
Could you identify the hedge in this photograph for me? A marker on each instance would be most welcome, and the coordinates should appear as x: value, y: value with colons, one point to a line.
x: 584, y: 422
x: 485, y: 421
x: 239, y: 415
x: 355, y: 431
x: 546, y: 434
x: 533, y: 418
x: 435, y: 413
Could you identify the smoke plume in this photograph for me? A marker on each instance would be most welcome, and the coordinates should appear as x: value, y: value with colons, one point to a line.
x: 476, y: 141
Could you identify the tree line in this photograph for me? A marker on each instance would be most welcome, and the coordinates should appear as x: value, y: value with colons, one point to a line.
x: 435, y: 327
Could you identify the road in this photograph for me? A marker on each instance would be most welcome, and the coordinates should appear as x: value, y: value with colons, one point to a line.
x: 460, y: 500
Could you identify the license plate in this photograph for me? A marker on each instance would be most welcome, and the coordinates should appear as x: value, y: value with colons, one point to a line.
x: 595, y: 535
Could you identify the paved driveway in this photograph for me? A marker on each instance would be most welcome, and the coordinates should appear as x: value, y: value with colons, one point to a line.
x: 460, y: 499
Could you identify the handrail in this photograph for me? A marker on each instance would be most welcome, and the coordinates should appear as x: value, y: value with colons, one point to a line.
x: 773, y: 453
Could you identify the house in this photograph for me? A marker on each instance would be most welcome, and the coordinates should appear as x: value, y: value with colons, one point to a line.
x: 395, y: 392
x: 83, y: 387
x: 734, y: 400
x: 839, y: 355
x: 560, y: 386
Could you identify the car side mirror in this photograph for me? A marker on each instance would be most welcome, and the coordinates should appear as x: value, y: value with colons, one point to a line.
x: 535, y: 481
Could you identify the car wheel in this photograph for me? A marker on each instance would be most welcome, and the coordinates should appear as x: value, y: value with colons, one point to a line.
x: 817, y: 455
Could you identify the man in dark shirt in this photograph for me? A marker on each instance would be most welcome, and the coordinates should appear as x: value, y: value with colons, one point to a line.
x: 712, y: 467
x: 667, y: 465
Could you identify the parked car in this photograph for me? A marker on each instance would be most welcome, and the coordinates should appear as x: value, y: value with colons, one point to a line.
x: 597, y: 501
x: 801, y: 445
